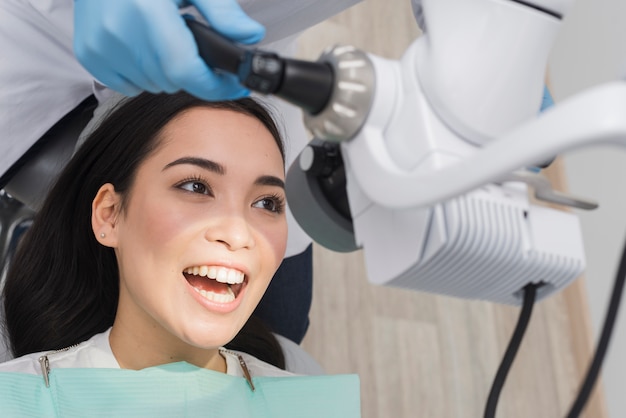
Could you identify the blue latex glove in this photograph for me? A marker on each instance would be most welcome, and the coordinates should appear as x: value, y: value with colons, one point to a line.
x: 135, y: 45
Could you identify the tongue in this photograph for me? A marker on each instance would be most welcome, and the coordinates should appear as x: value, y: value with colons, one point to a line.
x: 206, y: 284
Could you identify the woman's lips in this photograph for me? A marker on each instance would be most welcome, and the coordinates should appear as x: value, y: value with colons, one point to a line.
x: 218, y: 287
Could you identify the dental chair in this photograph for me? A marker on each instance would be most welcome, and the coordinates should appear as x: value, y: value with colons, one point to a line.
x: 25, y: 184
x: 29, y: 179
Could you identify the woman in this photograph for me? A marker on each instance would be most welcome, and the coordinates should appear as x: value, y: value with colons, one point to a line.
x: 155, y: 245
x: 168, y: 226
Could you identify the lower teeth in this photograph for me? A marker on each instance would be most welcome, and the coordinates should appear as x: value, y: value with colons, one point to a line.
x: 217, y: 297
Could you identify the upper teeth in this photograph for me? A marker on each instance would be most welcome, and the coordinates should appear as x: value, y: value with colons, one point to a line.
x: 221, y: 274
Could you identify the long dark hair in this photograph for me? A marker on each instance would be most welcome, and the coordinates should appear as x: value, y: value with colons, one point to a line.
x: 62, y: 286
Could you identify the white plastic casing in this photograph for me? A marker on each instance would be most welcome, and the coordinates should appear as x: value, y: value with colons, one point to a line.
x: 486, y: 244
x: 482, y: 63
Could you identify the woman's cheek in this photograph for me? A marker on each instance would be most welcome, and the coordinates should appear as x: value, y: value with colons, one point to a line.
x: 276, y: 238
x: 165, y: 220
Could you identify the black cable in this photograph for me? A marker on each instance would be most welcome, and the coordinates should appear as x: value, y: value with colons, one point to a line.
x: 603, y: 343
x: 530, y: 292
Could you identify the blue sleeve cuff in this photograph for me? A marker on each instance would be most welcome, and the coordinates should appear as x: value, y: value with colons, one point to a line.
x: 547, y: 101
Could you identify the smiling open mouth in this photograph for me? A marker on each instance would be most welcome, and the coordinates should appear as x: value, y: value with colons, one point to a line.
x: 217, y: 284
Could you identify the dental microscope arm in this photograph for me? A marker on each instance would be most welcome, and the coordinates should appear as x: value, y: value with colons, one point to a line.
x: 422, y: 162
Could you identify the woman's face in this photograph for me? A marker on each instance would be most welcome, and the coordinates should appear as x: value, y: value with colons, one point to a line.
x: 203, y: 230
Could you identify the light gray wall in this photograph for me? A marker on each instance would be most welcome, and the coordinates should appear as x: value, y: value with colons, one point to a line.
x: 590, y: 50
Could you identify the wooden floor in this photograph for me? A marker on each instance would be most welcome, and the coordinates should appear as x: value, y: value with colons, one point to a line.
x: 422, y: 355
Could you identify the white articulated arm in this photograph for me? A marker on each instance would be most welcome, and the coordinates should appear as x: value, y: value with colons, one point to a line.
x: 595, y: 117
x: 434, y: 150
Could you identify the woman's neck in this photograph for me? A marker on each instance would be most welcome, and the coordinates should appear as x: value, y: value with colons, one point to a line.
x: 137, y: 349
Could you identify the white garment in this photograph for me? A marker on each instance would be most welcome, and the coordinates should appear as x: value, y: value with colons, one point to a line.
x: 96, y: 353
x: 297, y: 360
x: 41, y: 81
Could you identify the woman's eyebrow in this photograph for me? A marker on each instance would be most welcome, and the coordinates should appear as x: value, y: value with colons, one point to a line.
x: 200, y: 162
x: 266, y: 180
x: 270, y: 181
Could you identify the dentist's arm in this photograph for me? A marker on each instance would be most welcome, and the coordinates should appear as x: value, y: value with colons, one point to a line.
x: 136, y: 45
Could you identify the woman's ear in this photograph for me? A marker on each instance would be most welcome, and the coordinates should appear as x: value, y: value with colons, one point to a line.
x: 104, y: 211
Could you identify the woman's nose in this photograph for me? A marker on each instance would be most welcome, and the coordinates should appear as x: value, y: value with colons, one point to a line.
x: 231, y: 230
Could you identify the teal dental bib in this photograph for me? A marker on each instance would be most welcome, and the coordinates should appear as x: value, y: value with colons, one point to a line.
x: 176, y: 390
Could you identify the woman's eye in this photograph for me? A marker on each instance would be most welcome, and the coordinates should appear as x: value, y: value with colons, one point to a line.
x: 272, y: 204
x: 195, y: 187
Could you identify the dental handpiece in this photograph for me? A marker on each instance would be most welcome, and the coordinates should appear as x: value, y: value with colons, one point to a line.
x: 306, y: 84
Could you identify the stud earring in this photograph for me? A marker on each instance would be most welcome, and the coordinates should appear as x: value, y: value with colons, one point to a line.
x: 102, y: 235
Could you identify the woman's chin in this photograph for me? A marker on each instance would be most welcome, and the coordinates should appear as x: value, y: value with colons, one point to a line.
x: 209, y: 338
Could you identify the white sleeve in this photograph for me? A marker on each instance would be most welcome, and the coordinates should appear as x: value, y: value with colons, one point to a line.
x: 40, y: 78
x: 297, y: 360
x: 285, y: 18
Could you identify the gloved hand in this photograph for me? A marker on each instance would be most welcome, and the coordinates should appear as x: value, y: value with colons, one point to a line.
x: 135, y: 45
